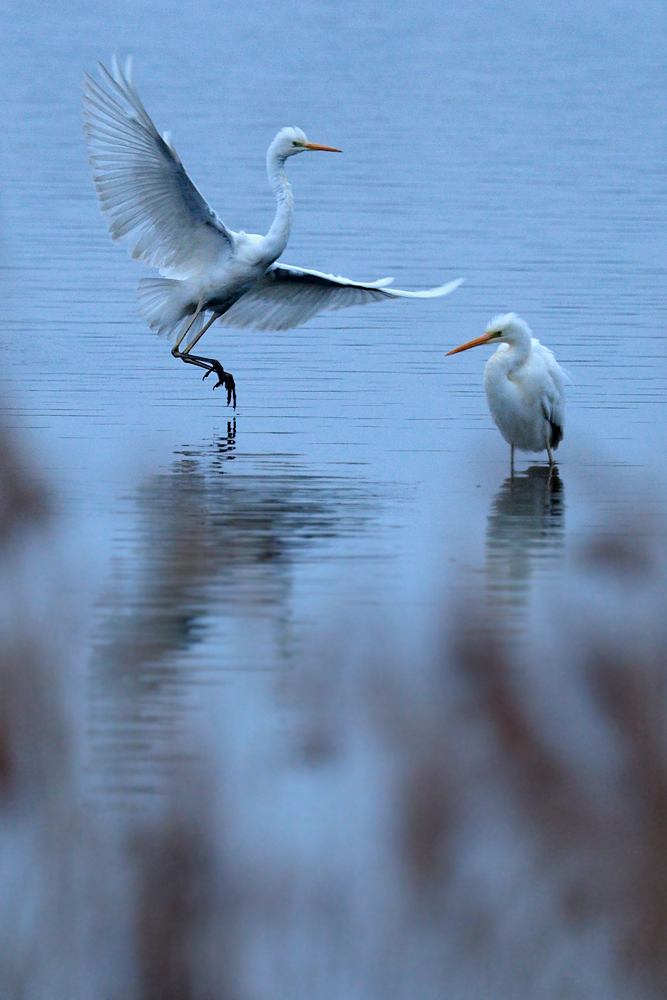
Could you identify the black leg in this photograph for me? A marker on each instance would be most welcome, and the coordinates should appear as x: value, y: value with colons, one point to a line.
x: 210, y: 364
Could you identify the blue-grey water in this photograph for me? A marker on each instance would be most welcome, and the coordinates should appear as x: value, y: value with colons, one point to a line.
x: 361, y: 480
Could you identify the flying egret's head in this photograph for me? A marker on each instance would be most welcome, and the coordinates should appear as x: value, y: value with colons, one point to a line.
x: 507, y: 329
x: 292, y: 140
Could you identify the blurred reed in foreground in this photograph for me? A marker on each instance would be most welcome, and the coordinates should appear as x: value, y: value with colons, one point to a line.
x: 490, y: 823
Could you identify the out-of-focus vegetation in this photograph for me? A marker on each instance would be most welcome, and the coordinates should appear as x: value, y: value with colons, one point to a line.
x: 491, y: 823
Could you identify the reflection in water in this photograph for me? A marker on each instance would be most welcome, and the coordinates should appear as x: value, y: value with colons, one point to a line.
x: 525, y: 535
x: 203, y: 588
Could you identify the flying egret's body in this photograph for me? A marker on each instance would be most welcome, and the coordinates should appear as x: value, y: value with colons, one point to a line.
x: 525, y: 386
x: 208, y: 271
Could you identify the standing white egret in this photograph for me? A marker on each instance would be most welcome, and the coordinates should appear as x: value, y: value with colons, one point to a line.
x: 525, y: 386
x: 208, y: 271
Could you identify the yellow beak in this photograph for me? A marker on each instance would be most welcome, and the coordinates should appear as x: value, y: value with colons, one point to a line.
x: 484, y: 339
x: 325, y: 149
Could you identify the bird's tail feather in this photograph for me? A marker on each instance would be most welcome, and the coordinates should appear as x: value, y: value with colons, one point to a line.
x: 166, y: 307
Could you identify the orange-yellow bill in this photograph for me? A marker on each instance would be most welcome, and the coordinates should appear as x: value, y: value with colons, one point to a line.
x: 325, y: 149
x: 484, y: 339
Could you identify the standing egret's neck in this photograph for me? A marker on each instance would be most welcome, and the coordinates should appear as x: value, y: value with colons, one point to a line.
x: 276, y: 239
x: 520, y: 340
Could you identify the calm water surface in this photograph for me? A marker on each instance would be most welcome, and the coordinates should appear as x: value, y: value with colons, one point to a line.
x: 521, y: 148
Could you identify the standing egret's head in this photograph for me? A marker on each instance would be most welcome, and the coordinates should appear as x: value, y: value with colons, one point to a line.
x: 507, y: 329
x: 292, y: 140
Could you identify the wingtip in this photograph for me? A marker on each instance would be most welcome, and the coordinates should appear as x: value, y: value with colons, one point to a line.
x: 118, y: 75
x: 441, y: 290
x: 87, y: 82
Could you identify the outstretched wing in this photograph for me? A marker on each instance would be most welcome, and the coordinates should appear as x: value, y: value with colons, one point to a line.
x: 286, y: 297
x: 144, y: 191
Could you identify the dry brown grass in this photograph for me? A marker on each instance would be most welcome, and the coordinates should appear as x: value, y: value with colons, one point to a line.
x: 508, y: 839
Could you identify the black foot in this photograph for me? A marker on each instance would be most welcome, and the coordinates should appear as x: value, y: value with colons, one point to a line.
x: 211, y: 365
x: 224, y: 378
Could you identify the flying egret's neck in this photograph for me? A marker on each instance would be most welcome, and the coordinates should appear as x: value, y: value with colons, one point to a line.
x: 276, y: 239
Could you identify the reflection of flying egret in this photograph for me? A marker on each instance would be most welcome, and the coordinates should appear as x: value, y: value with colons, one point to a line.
x: 207, y: 270
x: 525, y: 386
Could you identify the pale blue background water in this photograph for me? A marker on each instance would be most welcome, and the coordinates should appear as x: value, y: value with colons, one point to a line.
x: 521, y: 147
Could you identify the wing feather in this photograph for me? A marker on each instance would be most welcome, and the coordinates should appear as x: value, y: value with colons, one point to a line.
x: 144, y: 191
x: 553, y: 398
x: 288, y: 296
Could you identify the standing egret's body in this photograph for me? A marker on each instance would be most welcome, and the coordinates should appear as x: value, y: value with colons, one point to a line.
x: 208, y: 271
x: 525, y: 386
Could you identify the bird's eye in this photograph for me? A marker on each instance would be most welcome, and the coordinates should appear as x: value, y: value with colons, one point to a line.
x: 295, y: 143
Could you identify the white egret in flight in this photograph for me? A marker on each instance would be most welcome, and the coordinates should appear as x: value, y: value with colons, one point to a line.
x: 208, y: 271
x: 525, y: 386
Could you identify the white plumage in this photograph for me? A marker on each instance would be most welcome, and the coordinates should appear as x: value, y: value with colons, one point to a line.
x: 525, y: 386
x: 208, y: 271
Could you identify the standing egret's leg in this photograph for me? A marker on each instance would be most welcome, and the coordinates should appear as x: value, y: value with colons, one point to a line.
x: 551, y: 459
x: 210, y: 364
x: 512, y: 461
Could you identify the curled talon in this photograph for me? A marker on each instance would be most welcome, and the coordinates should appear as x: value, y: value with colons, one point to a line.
x: 225, y: 379
x: 211, y: 365
x: 228, y: 383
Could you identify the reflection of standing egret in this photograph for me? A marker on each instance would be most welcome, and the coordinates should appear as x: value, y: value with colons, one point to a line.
x: 525, y: 386
x: 525, y: 533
